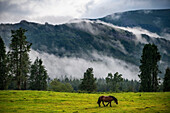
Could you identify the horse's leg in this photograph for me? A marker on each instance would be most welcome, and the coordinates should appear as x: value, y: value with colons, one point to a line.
x: 99, y: 104
x: 103, y: 103
x: 110, y: 104
x: 107, y: 103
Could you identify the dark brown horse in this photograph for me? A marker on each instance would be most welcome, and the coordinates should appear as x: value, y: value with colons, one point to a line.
x: 108, y: 99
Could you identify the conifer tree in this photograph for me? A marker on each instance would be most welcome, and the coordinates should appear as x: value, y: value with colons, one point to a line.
x: 39, y: 76
x: 113, y: 81
x: 88, y: 82
x: 149, y: 68
x: 19, y: 49
x: 4, y: 77
x: 166, y: 83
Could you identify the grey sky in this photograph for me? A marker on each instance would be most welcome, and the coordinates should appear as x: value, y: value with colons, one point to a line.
x: 61, y: 11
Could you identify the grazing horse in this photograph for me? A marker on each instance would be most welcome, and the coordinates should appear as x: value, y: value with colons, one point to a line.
x: 108, y: 99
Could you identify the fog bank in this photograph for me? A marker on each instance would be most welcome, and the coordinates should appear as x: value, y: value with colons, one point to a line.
x: 75, y: 67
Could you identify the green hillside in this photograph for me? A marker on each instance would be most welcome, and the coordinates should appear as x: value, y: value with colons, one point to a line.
x: 49, y: 102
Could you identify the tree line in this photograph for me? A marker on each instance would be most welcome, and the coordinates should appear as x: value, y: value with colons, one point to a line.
x: 17, y: 72
x: 100, y: 84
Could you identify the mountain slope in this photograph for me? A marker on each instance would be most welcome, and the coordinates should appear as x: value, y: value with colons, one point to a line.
x: 70, y: 40
x: 82, y: 38
x: 157, y: 21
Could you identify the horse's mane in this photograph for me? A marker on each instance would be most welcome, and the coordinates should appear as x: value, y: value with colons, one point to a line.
x: 113, y: 97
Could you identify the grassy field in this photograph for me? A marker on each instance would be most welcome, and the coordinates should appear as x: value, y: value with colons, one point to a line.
x: 50, y: 102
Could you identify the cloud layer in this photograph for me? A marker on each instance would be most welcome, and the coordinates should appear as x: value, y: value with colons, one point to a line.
x: 135, y: 30
x: 86, y: 25
x: 61, y: 11
x: 75, y: 67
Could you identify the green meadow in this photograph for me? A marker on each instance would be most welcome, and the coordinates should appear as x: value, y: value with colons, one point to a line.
x: 56, y: 102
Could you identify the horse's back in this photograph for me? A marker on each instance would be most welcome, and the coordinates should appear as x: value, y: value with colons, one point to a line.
x: 107, y: 98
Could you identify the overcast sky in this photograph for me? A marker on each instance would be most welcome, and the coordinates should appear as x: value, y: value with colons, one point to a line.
x: 61, y: 11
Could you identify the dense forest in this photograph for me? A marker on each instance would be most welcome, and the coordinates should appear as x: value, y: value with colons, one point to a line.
x: 17, y: 72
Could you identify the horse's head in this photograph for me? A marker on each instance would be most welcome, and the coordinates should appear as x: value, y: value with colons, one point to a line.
x: 115, y: 99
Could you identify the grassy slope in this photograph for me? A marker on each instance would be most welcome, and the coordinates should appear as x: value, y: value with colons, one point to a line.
x: 47, y: 101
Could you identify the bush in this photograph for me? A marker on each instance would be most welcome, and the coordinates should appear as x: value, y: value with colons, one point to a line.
x: 56, y: 85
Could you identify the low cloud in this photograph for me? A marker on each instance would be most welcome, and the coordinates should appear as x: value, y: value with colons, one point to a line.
x: 85, y: 25
x: 114, y: 16
x: 166, y: 36
x: 147, y: 11
x: 75, y: 67
x: 135, y: 30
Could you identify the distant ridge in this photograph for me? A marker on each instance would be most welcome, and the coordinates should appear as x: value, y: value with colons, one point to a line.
x: 157, y: 21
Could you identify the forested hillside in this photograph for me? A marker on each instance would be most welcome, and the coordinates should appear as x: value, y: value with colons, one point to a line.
x: 153, y: 20
x: 81, y: 38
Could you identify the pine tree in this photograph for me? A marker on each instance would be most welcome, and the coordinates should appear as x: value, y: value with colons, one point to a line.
x: 39, y: 76
x: 19, y: 49
x: 88, y: 82
x: 4, y: 75
x: 149, y: 68
x: 113, y: 81
x: 166, y: 83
